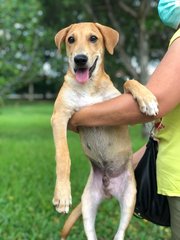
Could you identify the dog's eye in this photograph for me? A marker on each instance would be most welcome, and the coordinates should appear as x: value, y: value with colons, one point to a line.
x: 71, y: 40
x: 93, y: 38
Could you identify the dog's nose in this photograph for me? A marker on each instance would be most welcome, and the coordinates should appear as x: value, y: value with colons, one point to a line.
x: 80, y: 59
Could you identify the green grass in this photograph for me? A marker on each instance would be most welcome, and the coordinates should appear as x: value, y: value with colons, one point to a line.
x: 27, y: 178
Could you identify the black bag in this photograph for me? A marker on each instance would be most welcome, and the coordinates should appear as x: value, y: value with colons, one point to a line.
x: 150, y: 205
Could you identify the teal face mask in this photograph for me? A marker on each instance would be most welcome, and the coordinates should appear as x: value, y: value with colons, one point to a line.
x: 169, y: 12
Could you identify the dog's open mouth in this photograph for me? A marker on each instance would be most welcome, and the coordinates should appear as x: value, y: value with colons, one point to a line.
x: 83, y: 74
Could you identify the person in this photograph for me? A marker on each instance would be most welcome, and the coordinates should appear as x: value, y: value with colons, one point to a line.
x: 165, y: 85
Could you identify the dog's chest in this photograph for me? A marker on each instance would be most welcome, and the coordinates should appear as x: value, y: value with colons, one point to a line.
x: 78, y: 99
x: 102, y: 144
x: 86, y: 99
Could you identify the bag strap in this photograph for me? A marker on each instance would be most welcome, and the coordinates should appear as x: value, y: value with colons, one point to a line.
x: 158, y: 125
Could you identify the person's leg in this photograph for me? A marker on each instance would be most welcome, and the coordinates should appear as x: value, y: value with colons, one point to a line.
x: 174, y: 205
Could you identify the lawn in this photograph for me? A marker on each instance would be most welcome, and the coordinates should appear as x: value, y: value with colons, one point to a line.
x: 27, y: 178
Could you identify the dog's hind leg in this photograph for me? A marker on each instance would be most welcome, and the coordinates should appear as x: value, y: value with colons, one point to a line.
x: 124, y: 190
x: 92, y: 196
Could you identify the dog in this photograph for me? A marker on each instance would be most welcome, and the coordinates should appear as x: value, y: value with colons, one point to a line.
x: 108, y: 148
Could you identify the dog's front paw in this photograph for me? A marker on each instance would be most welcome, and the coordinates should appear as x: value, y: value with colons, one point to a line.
x: 146, y: 100
x: 148, y: 104
x: 62, y: 198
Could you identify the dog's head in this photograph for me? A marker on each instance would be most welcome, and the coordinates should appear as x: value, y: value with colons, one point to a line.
x: 85, y: 44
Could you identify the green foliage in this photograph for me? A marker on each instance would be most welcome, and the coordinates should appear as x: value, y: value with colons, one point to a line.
x: 20, y: 40
x: 27, y: 30
x: 27, y: 180
x: 65, y: 12
x: 127, y: 21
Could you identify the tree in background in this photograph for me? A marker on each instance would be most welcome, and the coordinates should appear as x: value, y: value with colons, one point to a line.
x: 20, y: 38
x: 142, y: 35
x: 143, y: 38
x: 27, y: 30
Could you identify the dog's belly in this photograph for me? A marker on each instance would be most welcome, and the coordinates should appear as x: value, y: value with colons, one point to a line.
x: 108, y: 148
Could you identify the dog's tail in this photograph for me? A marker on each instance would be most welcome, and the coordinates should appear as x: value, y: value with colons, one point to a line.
x: 73, y: 217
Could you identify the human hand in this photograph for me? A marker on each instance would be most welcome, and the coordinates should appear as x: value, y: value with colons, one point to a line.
x: 71, y: 124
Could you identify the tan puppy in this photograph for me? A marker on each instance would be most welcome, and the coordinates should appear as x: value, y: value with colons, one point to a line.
x: 108, y: 148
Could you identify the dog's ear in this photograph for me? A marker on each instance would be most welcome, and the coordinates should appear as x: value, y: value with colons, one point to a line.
x: 60, y: 36
x: 111, y: 37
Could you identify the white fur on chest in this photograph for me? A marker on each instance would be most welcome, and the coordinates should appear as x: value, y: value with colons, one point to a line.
x: 81, y: 97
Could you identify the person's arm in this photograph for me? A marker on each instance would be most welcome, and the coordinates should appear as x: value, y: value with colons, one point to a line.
x: 164, y: 84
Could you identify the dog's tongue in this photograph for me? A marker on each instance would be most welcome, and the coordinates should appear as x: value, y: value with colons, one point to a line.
x: 82, y: 75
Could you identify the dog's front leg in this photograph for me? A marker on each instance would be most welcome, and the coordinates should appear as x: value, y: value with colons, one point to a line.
x: 62, y: 194
x: 146, y: 100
